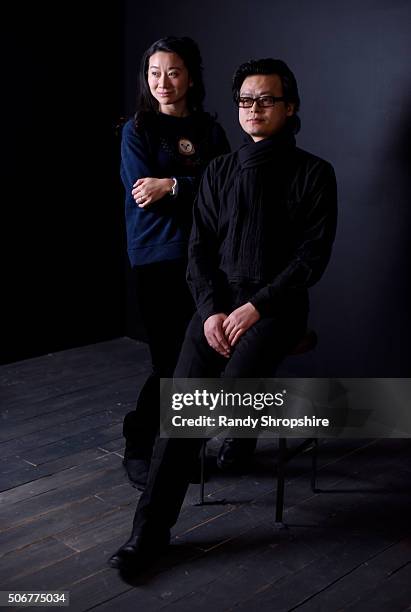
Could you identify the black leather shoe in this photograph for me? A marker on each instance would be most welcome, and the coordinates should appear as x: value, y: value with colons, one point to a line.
x: 140, y: 550
x: 235, y: 453
x: 137, y: 471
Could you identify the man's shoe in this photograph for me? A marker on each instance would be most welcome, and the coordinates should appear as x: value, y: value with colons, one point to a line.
x: 235, y: 453
x: 137, y: 471
x: 140, y: 550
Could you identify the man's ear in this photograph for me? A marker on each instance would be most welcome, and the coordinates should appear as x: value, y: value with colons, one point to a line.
x: 289, y: 109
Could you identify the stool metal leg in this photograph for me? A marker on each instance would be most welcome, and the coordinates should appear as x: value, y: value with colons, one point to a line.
x: 202, y: 502
x: 202, y: 471
x: 282, y: 445
x: 314, y: 457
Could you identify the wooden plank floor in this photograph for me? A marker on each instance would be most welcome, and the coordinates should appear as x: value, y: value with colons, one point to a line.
x: 66, y: 505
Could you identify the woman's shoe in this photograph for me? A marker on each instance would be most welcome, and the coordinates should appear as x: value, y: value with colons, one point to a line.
x: 236, y: 453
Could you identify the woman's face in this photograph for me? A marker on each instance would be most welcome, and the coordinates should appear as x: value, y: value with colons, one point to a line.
x: 168, y: 80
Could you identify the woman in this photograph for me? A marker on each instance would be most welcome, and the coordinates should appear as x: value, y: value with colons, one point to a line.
x: 164, y: 151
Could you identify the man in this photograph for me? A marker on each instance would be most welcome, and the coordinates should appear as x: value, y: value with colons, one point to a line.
x: 264, y: 224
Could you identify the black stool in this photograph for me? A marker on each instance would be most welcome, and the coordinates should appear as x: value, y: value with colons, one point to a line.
x: 306, y: 344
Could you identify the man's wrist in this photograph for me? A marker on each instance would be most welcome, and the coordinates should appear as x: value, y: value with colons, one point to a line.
x: 253, y: 307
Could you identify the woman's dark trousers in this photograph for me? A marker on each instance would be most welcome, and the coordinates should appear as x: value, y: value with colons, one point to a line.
x: 166, y: 307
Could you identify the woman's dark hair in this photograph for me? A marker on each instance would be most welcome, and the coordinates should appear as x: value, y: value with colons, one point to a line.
x: 271, y: 66
x: 189, y: 52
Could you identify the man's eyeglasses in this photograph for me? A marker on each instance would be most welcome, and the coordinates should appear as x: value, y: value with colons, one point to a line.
x: 262, y: 101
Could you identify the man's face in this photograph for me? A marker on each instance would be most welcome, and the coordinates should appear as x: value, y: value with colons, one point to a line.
x: 260, y: 122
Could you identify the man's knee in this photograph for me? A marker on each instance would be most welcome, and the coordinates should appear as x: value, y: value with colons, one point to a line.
x: 197, y: 359
x: 258, y: 352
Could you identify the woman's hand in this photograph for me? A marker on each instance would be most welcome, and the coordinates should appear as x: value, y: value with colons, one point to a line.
x: 148, y: 190
x: 237, y: 323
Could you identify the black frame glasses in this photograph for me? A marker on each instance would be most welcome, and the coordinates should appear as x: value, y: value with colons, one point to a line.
x: 262, y: 101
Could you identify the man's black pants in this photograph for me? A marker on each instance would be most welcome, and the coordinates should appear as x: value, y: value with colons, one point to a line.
x: 257, y: 354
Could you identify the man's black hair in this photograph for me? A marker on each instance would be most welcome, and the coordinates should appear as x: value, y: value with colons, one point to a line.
x: 271, y: 66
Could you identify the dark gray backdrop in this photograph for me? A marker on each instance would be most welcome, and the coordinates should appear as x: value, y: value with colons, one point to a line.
x: 352, y: 63
x: 70, y: 71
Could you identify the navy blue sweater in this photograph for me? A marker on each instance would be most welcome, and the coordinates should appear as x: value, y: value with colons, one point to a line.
x: 166, y: 147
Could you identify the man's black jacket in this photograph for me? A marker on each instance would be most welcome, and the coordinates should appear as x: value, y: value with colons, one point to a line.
x: 264, y: 218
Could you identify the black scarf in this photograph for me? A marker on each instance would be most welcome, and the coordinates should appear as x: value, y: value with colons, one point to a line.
x: 262, y: 166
